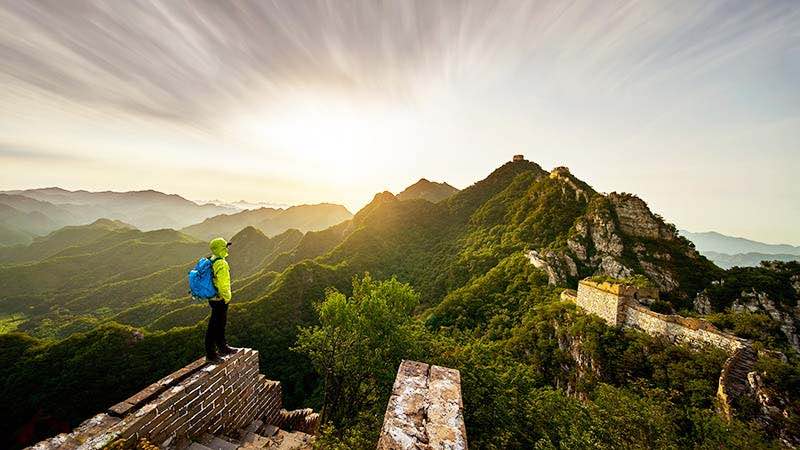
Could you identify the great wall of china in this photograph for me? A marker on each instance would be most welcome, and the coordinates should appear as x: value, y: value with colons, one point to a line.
x: 232, y: 406
x: 621, y: 305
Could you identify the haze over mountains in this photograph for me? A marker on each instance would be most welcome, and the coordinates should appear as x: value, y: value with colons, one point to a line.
x: 271, y: 221
x: 26, y: 214
x: 729, y: 251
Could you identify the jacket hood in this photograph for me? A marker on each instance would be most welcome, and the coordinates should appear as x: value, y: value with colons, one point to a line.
x: 219, y: 247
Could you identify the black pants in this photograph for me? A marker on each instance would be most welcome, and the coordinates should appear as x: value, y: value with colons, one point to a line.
x: 215, y: 334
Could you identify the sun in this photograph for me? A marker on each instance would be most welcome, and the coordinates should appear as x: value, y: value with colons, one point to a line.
x: 338, y: 137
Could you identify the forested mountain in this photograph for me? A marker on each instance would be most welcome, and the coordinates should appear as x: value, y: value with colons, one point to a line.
x: 79, y: 277
x: 427, y: 190
x: 271, y: 221
x: 486, y: 264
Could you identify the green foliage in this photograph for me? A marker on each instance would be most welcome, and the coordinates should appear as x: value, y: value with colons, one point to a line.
x: 358, y: 345
x: 757, y: 327
x: 773, y: 279
x: 72, y: 379
x: 637, y: 280
x: 503, y: 292
x: 10, y: 322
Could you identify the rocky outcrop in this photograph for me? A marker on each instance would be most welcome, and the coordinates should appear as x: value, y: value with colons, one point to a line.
x: 562, y: 174
x: 557, y: 266
x: 425, y: 411
x: 610, y: 239
x: 636, y: 219
x: 753, y: 301
x: 774, y: 410
x: 582, y: 367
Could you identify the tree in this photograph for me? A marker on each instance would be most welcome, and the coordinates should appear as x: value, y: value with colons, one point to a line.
x: 358, y: 346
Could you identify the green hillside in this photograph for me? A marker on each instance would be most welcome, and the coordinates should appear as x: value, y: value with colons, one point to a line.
x: 484, y: 267
x: 427, y: 190
x: 59, y: 240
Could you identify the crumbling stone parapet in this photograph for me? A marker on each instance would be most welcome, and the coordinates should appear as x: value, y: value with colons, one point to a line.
x: 425, y: 410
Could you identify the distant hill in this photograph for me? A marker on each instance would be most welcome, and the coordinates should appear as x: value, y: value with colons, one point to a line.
x: 428, y: 190
x: 728, y: 251
x: 22, y: 218
x: 59, y: 240
x: 241, y: 205
x: 252, y: 249
x: 44, y: 210
x: 727, y: 261
x: 711, y: 241
x: 271, y: 221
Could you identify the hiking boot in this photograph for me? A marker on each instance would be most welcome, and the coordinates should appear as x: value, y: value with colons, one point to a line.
x: 214, y: 359
x: 228, y: 350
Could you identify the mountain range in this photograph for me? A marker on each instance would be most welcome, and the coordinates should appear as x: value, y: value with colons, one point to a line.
x: 271, y: 221
x: 729, y: 251
x: 107, y: 302
x: 27, y: 214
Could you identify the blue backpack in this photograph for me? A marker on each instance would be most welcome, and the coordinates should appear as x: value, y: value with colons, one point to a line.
x: 201, y: 283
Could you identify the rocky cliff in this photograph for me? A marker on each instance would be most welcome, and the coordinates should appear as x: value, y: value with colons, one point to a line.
x: 618, y: 235
x: 771, y: 291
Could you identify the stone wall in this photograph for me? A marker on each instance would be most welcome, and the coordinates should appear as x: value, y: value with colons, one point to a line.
x: 197, y: 399
x: 684, y: 330
x: 605, y: 303
x: 618, y: 304
x: 425, y: 411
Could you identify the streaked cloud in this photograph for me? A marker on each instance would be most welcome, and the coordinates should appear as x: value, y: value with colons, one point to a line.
x: 9, y: 151
x: 359, y: 96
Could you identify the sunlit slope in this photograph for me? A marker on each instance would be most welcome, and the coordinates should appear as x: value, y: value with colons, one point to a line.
x: 59, y: 240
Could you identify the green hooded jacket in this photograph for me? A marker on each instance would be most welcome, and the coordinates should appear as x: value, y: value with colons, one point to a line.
x: 222, y: 272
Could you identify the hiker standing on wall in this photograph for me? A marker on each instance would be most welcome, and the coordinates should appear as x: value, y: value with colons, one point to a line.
x: 215, y: 334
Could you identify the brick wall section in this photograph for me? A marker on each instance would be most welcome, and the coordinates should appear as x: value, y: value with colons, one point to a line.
x: 196, y: 399
x: 684, y: 330
x: 601, y: 302
x: 618, y: 305
x: 425, y: 410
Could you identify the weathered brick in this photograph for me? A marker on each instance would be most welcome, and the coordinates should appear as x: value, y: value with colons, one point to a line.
x: 121, y: 408
x: 192, y: 401
x: 134, y: 422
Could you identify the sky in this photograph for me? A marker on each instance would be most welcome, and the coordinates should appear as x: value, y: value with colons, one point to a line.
x: 693, y: 106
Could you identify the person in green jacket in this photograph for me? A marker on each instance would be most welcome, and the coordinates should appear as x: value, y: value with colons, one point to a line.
x: 215, y: 334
